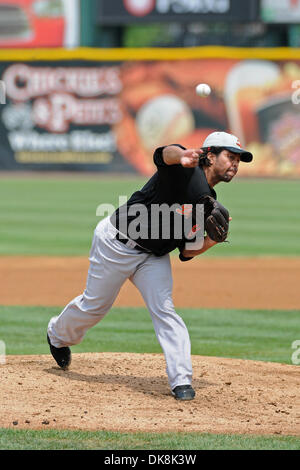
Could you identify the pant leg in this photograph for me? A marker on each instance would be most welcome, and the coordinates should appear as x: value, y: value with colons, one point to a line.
x: 153, y: 278
x: 111, y: 263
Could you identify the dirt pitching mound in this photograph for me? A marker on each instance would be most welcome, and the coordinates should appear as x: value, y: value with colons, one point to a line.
x: 130, y: 392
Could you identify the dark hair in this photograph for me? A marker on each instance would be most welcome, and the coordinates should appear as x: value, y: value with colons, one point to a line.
x: 204, y: 161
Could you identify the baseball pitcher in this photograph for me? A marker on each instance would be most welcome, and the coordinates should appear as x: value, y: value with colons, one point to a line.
x: 176, y: 209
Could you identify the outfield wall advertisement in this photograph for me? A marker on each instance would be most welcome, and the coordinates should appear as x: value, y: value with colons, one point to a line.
x: 39, y: 23
x: 110, y: 115
x: 129, y: 11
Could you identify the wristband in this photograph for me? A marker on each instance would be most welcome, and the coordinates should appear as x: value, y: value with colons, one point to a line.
x: 183, y: 258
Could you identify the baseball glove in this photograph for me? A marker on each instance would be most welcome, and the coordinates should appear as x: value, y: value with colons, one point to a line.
x: 216, y: 219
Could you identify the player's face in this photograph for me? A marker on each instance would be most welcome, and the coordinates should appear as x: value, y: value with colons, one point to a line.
x: 225, y: 165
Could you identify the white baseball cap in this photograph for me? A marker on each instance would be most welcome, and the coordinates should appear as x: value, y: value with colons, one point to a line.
x: 229, y: 142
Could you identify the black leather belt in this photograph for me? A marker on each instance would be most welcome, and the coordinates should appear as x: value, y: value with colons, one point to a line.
x: 130, y: 243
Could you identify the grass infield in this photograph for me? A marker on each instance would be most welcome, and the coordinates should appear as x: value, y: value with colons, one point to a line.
x: 245, y: 334
x: 11, y: 439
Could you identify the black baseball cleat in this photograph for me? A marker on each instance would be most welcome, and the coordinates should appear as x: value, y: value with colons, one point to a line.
x: 61, y: 355
x: 184, y: 392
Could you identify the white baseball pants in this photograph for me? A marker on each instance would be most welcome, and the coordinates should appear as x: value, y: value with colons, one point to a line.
x: 111, y: 263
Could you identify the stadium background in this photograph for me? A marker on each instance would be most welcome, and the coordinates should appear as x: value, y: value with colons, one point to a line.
x: 78, y: 125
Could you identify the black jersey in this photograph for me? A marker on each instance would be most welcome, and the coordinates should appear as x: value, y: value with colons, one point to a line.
x: 143, y: 217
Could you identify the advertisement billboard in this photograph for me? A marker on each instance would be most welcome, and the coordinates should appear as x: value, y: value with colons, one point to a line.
x: 60, y: 116
x: 39, y: 23
x: 280, y: 11
x: 110, y: 116
x: 130, y: 11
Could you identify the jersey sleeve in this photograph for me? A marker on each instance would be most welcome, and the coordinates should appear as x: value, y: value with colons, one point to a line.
x: 158, y: 157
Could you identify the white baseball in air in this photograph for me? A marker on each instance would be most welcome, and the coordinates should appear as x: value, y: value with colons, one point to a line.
x: 203, y: 90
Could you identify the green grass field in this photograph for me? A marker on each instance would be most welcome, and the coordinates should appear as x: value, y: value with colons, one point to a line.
x: 246, y: 334
x: 58, y: 216
x: 11, y: 439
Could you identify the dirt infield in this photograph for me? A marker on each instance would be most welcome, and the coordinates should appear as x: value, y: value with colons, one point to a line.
x: 129, y: 392
x: 250, y: 283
